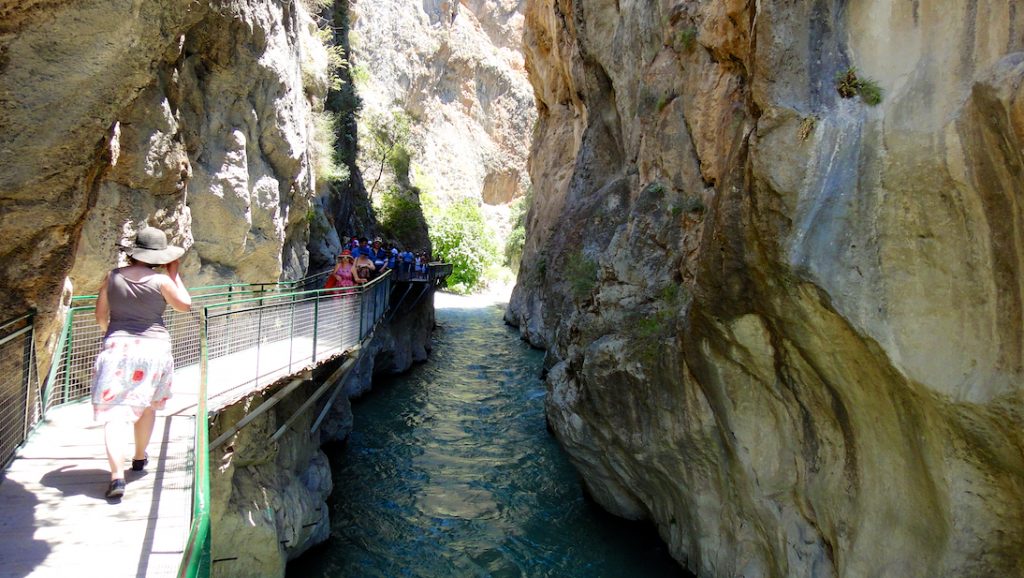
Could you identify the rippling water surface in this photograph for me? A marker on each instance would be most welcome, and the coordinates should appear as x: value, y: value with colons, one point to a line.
x: 451, y: 472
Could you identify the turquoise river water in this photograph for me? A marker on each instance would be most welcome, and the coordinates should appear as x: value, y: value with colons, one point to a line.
x: 450, y: 471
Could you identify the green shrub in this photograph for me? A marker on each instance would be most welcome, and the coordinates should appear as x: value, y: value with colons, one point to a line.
x: 870, y: 92
x: 325, y: 158
x: 685, y: 39
x: 514, y: 248
x: 360, y: 74
x: 581, y: 273
x: 542, y: 269
x: 399, y: 161
x: 517, y: 238
x: 849, y: 85
x: 389, y: 146
x: 656, y: 188
x: 459, y: 236
x: 649, y: 331
x: 400, y: 215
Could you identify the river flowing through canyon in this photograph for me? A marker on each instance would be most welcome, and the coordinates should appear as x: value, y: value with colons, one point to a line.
x: 450, y: 471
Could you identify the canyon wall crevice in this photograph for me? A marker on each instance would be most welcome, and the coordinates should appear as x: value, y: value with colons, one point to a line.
x: 782, y: 324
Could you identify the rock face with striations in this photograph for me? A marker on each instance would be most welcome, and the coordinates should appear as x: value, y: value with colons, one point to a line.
x: 191, y: 116
x: 457, y: 69
x: 785, y: 325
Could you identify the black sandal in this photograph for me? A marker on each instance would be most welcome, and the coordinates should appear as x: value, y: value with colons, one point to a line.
x: 116, y: 489
x: 138, y: 465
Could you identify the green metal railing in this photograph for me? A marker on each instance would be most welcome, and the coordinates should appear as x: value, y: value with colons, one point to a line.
x: 295, y: 330
x: 197, y: 559
x: 237, y: 337
x: 70, y: 375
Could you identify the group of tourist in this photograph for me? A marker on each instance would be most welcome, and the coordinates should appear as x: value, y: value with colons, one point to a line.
x: 361, y: 261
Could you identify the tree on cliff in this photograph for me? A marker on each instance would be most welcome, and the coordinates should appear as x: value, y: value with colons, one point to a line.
x: 389, y: 145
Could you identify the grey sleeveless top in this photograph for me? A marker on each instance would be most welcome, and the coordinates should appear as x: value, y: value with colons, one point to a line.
x: 136, y: 307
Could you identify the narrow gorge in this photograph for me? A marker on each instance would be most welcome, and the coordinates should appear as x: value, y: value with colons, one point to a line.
x: 774, y: 251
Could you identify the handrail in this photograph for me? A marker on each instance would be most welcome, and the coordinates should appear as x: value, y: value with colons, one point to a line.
x: 197, y: 556
x: 310, y: 292
x: 201, y: 290
x: 196, y: 560
x: 18, y: 319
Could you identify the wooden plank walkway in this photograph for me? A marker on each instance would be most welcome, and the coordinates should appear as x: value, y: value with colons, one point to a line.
x: 55, y: 519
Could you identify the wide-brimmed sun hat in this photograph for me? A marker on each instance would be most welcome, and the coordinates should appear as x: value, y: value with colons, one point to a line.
x: 151, y: 247
x: 346, y: 254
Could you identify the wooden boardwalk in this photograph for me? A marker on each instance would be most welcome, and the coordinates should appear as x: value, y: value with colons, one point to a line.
x: 56, y: 521
x: 54, y: 518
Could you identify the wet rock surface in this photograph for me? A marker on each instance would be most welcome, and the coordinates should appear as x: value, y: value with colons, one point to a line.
x: 783, y: 324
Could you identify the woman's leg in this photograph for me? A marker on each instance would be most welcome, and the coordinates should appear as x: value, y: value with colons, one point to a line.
x: 114, y: 438
x: 144, y: 431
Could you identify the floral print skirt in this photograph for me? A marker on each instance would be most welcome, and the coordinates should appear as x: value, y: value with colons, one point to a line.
x: 131, y: 374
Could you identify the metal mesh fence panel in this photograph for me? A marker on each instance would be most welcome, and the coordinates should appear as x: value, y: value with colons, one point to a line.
x: 230, y: 336
x: 257, y: 333
x: 19, y: 387
x: 303, y: 323
x: 337, y: 315
x: 75, y: 360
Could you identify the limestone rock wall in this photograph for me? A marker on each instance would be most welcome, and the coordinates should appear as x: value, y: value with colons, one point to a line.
x: 191, y: 116
x: 782, y: 324
x: 457, y: 69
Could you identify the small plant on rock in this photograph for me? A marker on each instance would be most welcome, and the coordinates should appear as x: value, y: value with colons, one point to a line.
x: 685, y: 39
x: 849, y: 85
x: 326, y: 164
x: 807, y: 126
x: 581, y: 272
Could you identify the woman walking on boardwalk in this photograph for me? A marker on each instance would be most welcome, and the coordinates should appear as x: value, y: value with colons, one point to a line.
x: 345, y: 274
x: 134, y: 370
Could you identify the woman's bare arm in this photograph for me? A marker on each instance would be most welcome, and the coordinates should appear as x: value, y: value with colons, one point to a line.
x: 175, y: 292
x: 103, y: 305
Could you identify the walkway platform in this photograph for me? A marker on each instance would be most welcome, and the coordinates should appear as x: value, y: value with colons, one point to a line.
x: 56, y: 521
x: 54, y: 518
x: 55, y: 514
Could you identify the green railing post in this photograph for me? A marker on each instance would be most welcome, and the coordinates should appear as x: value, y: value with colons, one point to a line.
x: 291, y: 334
x: 362, y: 309
x: 316, y: 322
x: 68, y: 356
x: 259, y: 340
x: 28, y: 378
x: 196, y: 561
x: 51, y: 376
